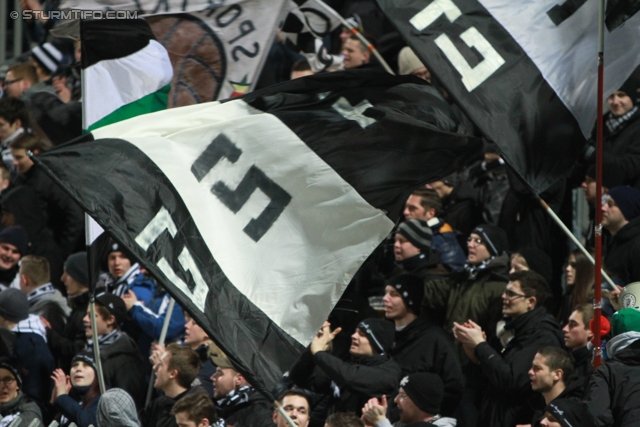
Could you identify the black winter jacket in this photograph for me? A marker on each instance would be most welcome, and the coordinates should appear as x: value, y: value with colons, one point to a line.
x: 509, y: 389
x: 257, y: 412
x: 123, y: 368
x: 424, y: 347
x: 613, y: 395
x: 357, y: 380
x: 623, y: 253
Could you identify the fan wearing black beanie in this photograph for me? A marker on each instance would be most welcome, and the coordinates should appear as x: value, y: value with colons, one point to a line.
x: 421, y: 345
x: 419, y: 400
x: 370, y: 371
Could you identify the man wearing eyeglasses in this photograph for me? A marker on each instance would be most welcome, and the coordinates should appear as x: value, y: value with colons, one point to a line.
x: 620, y: 215
x: 528, y: 328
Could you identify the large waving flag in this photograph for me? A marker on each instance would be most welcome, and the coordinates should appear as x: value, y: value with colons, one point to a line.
x: 256, y: 213
x: 125, y: 71
x: 523, y: 71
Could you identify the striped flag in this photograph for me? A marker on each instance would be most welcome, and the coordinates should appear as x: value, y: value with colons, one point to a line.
x: 125, y: 71
x: 256, y: 213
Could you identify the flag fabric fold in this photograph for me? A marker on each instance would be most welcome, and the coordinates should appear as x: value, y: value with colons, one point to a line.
x: 125, y: 71
x: 256, y: 213
x: 523, y: 72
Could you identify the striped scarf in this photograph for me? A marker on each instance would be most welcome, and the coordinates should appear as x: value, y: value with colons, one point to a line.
x: 616, y: 123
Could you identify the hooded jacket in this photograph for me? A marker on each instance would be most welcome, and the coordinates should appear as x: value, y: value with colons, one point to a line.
x: 465, y: 296
x: 123, y: 368
x: 623, y: 253
x: 508, y: 386
x: 116, y: 409
x: 351, y: 383
x: 613, y: 395
x: 424, y: 347
x: 20, y: 407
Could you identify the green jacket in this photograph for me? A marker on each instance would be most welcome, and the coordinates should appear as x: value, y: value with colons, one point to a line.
x: 477, y: 297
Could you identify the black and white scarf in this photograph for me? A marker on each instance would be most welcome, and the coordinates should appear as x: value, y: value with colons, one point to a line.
x: 473, y: 270
x: 616, y: 123
x: 236, y: 397
x: 120, y: 286
x: 39, y: 292
x: 105, y: 339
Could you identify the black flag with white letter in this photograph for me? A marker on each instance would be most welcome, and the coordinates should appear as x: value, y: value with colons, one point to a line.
x: 256, y: 213
x: 523, y: 71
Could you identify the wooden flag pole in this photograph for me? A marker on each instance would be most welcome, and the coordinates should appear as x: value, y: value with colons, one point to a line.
x: 597, y: 303
x: 282, y: 412
x: 161, y: 340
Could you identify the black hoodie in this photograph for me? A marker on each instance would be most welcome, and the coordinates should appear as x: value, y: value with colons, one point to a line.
x: 623, y: 253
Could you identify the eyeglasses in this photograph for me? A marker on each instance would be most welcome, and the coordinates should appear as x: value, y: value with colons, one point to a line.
x: 512, y: 295
x: 10, y: 82
x: 7, y: 380
x: 402, y: 395
x: 475, y: 240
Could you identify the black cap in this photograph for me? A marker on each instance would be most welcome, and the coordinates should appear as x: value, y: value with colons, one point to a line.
x: 380, y: 334
x: 426, y: 390
x: 115, y: 305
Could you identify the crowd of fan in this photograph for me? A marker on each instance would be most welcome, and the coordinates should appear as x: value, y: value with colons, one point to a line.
x: 484, y: 317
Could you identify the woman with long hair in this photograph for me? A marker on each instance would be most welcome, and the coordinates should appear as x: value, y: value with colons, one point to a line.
x: 76, y: 396
x: 579, y: 278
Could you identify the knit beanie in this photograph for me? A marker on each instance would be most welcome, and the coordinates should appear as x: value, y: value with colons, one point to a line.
x: 48, y: 56
x: 570, y: 413
x: 117, y: 247
x: 115, y: 305
x: 380, y: 334
x: 630, y: 87
x: 538, y: 261
x: 417, y: 232
x: 87, y: 357
x: 14, y: 305
x: 16, y: 236
x: 11, y: 366
x: 408, y: 61
x: 494, y: 237
x: 628, y: 200
x: 76, y: 267
x: 625, y: 320
x: 411, y: 289
x: 426, y: 390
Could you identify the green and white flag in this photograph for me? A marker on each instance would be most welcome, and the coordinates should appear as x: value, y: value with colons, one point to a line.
x: 125, y: 71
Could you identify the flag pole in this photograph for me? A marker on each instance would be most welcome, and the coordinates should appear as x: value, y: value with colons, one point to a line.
x: 357, y: 33
x: 597, y: 303
x: 282, y: 412
x: 163, y: 336
x: 580, y: 246
x: 92, y: 304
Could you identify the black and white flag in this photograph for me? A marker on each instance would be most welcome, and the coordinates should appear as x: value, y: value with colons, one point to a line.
x: 523, y: 71
x: 256, y: 213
